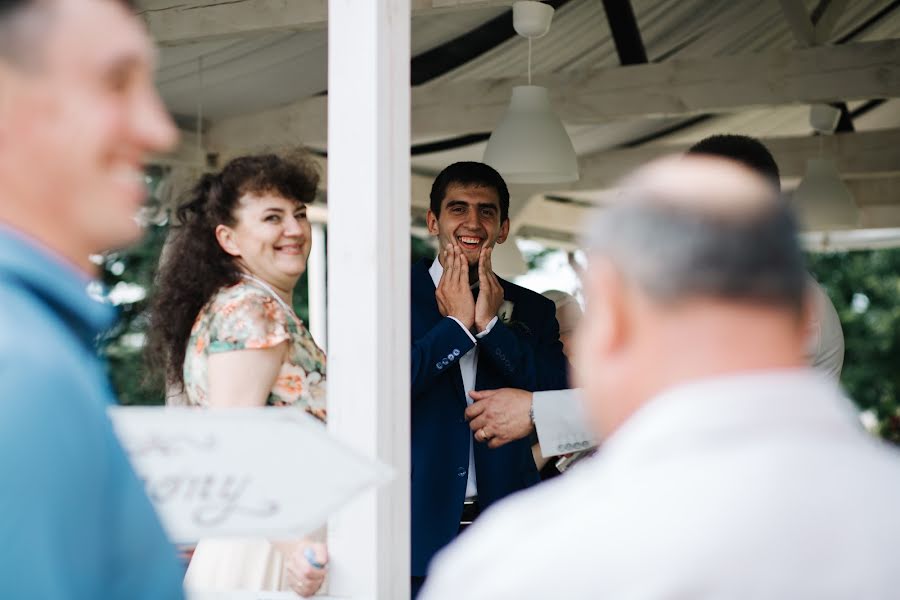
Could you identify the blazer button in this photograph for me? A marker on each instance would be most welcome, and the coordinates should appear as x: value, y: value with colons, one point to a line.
x: 450, y: 357
x: 439, y: 366
x: 445, y: 362
x: 455, y: 352
x: 461, y: 472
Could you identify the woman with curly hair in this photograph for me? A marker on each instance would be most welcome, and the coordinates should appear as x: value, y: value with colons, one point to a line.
x: 224, y: 333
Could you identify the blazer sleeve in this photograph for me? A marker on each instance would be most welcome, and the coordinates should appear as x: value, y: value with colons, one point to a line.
x: 533, y: 361
x: 434, y: 353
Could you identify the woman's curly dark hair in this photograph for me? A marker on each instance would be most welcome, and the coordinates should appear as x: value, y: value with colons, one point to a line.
x: 194, y: 266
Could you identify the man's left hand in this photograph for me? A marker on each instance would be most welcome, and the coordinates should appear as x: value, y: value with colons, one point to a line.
x: 500, y: 416
x: 490, y: 292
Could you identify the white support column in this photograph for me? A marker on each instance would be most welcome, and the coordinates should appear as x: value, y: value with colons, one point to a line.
x: 317, y: 294
x: 368, y: 279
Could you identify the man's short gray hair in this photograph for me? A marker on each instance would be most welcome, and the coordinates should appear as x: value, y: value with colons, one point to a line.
x: 23, y: 26
x: 21, y: 23
x: 675, y: 252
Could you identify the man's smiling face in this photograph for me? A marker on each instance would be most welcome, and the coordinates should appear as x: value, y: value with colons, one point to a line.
x: 470, y: 219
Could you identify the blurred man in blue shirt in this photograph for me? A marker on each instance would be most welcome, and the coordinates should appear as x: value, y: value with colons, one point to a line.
x: 78, y: 114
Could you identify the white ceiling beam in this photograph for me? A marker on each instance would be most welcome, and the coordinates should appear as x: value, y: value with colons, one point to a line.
x: 672, y: 88
x: 875, y: 192
x: 198, y: 20
x: 877, y: 198
x: 857, y: 155
x: 675, y: 87
x: 304, y: 122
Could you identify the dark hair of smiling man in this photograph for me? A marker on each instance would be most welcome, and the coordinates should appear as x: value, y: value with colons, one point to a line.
x: 469, y: 173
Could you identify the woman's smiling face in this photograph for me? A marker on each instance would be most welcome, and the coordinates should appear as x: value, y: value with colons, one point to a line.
x: 270, y: 239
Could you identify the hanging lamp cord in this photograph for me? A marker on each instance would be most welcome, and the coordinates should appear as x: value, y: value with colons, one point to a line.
x: 529, y: 61
x: 200, y: 101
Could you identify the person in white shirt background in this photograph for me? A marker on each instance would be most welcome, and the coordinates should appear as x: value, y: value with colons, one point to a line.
x: 730, y: 469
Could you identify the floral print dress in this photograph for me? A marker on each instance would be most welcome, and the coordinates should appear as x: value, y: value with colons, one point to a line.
x: 247, y: 316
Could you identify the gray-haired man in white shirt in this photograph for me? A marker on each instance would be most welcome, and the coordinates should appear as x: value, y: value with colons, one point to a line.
x: 730, y: 468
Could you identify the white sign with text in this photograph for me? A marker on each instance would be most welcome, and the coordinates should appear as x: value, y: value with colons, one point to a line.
x: 269, y: 472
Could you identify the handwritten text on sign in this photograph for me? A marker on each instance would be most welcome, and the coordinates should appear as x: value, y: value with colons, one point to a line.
x: 266, y: 472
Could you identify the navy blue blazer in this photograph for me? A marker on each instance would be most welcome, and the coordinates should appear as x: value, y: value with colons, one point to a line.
x: 525, y: 354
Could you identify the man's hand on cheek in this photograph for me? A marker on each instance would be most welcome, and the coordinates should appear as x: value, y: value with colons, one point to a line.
x: 453, y: 294
x: 490, y: 294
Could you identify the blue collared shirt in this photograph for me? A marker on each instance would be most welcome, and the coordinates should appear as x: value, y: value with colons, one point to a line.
x: 75, y: 522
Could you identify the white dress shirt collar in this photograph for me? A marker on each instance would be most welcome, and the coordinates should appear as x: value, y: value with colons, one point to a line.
x: 791, y: 399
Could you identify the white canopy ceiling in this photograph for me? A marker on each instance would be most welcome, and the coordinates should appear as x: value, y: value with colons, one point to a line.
x: 257, y: 80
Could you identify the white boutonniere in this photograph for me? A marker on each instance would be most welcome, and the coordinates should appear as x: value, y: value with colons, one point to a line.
x: 505, y: 312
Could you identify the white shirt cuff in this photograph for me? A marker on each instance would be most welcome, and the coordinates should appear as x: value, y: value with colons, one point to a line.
x: 487, y: 329
x: 561, y: 422
x: 468, y: 333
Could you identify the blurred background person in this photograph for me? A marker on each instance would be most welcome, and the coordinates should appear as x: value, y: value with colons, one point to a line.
x: 78, y: 116
x: 568, y: 315
x: 730, y: 468
x: 825, y: 337
x: 225, y: 334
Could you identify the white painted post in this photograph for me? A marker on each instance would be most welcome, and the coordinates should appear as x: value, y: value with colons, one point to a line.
x: 368, y: 279
x: 316, y: 280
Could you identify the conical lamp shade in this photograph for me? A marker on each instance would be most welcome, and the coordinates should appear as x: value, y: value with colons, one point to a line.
x: 822, y: 200
x: 530, y: 145
x: 507, y: 261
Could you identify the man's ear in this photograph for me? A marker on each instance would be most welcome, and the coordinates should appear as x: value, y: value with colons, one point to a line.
x: 432, y: 221
x: 225, y: 237
x: 609, y: 298
x: 504, y: 231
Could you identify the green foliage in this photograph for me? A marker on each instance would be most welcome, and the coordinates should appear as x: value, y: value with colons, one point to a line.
x: 865, y: 289
x: 420, y: 249
x: 534, y: 258
x: 123, y: 345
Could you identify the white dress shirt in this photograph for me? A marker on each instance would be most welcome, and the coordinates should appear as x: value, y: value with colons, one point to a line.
x: 761, y: 485
x: 468, y: 366
x: 825, y: 347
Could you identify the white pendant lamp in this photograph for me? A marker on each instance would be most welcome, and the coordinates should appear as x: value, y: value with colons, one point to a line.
x: 822, y: 200
x: 530, y: 145
x: 507, y: 261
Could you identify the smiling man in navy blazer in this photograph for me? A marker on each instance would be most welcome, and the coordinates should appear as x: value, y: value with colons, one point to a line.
x: 470, y: 331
